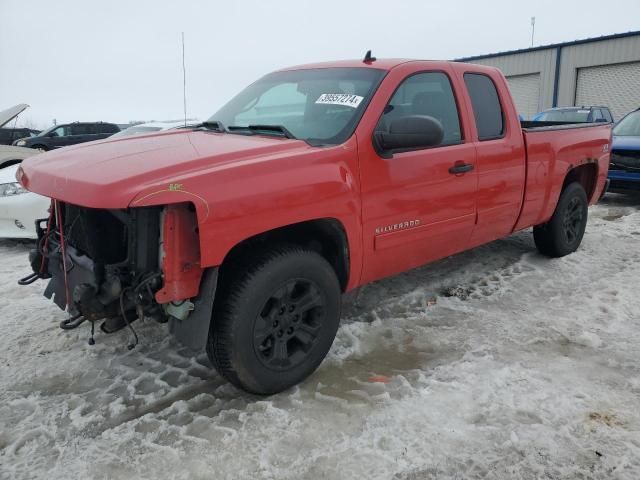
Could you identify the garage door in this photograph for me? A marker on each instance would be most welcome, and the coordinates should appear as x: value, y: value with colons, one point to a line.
x: 615, y: 86
x: 525, y: 90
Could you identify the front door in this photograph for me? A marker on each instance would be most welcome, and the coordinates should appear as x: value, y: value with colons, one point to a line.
x: 59, y: 137
x: 418, y: 205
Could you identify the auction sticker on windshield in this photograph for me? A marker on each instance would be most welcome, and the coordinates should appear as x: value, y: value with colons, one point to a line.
x: 340, y: 99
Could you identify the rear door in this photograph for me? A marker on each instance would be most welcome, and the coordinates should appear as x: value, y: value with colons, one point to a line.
x: 497, y: 138
x: 415, y: 208
x: 78, y: 133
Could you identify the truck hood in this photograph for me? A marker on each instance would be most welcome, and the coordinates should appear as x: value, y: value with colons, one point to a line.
x: 625, y: 143
x: 110, y: 173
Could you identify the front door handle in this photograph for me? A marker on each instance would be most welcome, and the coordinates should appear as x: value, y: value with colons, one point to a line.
x: 460, y: 168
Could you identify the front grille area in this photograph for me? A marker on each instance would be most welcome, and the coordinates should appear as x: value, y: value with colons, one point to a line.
x: 96, y: 233
x: 626, y: 160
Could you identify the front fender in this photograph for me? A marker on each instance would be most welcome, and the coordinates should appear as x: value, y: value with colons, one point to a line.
x: 238, y: 201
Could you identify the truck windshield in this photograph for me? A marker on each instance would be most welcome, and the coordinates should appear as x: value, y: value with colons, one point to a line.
x: 569, y: 115
x: 629, y: 126
x: 320, y: 106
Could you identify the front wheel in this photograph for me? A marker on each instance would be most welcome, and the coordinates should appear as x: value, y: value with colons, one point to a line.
x: 563, y: 233
x: 276, y: 321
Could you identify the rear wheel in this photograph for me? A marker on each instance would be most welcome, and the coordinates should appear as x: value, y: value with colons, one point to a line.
x: 276, y: 321
x: 563, y: 233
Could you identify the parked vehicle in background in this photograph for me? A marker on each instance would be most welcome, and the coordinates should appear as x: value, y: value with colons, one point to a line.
x: 19, y: 208
x: 575, y: 115
x: 69, y: 134
x: 312, y: 181
x: 624, y: 170
x: 10, y: 155
x: 9, y: 135
x: 159, y: 126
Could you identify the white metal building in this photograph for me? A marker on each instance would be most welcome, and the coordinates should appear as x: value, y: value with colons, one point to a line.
x: 593, y: 71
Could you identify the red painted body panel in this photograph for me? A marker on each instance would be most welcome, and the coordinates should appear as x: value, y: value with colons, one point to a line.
x: 397, y: 213
x: 550, y: 155
x: 180, y: 254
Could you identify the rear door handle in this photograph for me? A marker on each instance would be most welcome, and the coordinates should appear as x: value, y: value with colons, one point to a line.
x: 459, y: 168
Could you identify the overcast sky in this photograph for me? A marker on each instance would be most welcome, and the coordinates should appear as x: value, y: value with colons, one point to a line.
x: 120, y: 60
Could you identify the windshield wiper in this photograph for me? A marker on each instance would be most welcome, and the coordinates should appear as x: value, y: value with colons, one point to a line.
x: 280, y: 130
x: 215, y: 125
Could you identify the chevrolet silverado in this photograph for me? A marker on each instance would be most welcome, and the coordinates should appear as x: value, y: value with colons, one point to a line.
x: 243, y: 232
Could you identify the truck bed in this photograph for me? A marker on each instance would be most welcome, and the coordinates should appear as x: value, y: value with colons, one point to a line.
x: 551, y: 151
x: 531, y: 125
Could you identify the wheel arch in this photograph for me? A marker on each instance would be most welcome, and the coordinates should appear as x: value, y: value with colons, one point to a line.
x: 586, y: 175
x: 326, y: 236
x: 9, y: 162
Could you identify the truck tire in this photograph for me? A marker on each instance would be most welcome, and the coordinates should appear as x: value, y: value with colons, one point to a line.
x: 276, y: 320
x: 563, y: 233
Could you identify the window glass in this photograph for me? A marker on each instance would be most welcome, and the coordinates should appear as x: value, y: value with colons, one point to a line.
x: 321, y: 106
x: 59, y: 132
x: 607, y: 115
x: 428, y: 94
x: 597, y: 115
x: 281, y: 99
x: 486, y: 106
x: 629, y: 126
x: 80, y: 129
x: 105, y: 128
x: 566, y: 115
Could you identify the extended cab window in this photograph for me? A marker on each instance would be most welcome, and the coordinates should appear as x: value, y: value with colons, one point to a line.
x: 430, y: 94
x: 486, y: 106
x: 321, y: 106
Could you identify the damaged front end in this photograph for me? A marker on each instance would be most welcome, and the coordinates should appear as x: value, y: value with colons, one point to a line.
x: 120, y: 265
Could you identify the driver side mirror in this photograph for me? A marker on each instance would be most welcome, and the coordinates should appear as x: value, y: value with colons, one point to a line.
x: 412, y: 131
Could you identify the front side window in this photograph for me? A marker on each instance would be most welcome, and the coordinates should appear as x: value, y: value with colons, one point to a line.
x: 59, y: 132
x: 486, y: 106
x: 321, y: 106
x: 429, y: 94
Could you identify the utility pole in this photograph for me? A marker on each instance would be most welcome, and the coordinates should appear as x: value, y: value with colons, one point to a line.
x: 533, y: 28
x: 184, y: 83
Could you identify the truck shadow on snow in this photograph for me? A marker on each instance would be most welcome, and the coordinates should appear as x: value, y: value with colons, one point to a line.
x: 399, y: 297
x: 160, y: 374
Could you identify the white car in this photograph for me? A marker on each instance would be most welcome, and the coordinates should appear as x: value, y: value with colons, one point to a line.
x: 11, y: 155
x: 150, y: 127
x: 19, y: 208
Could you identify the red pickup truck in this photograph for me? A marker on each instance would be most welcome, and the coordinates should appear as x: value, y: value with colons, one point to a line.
x: 243, y: 232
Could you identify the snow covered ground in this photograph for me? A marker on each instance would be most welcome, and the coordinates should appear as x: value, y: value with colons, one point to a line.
x: 497, y: 363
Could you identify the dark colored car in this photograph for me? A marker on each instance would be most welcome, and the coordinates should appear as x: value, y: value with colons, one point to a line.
x: 592, y: 114
x: 10, y: 135
x: 69, y: 134
x: 624, y: 169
